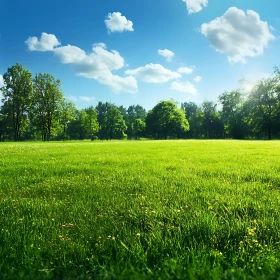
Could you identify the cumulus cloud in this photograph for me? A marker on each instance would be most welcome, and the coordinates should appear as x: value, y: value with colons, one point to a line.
x: 98, y: 65
x: 185, y: 87
x: 92, y: 65
x: 238, y: 34
x: 167, y: 54
x: 80, y: 98
x: 47, y: 42
x: 197, y: 79
x: 153, y: 73
x: 115, y: 22
x: 195, y: 6
x: 72, y: 98
x: 186, y: 70
x: 86, y: 98
x: 119, y: 84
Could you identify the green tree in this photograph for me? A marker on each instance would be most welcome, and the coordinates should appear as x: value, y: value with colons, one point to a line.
x: 212, y: 124
x: 134, y: 112
x: 111, y: 121
x: 46, y: 105
x: 165, y: 119
x: 264, y: 106
x: 91, y: 124
x: 67, y: 114
x: 17, y: 95
x: 76, y: 129
x: 232, y: 114
x: 138, y: 128
x: 192, y: 115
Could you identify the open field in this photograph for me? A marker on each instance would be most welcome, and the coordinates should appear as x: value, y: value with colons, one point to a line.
x: 140, y: 210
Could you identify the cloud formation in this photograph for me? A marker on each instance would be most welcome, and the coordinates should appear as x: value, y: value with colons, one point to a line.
x: 185, y: 87
x: 86, y: 98
x: 80, y: 98
x: 47, y: 42
x: 195, y: 6
x: 167, y: 54
x: 197, y: 79
x: 153, y: 73
x: 186, y: 70
x: 92, y: 65
x: 98, y: 65
x: 115, y: 22
x: 238, y: 34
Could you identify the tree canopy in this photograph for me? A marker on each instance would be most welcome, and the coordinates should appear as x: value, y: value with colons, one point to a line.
x: 35, y: 108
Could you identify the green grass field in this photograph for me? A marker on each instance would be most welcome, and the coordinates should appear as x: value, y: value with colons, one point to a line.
x: 140, y: 210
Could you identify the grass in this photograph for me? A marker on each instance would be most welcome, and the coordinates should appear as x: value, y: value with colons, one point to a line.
x: 140, y: 210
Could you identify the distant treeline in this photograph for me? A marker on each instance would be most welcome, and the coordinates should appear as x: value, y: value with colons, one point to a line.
x: 35, y: 108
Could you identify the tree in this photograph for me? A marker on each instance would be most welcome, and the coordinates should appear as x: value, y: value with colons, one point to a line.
x: 17, y: 95
x: 46, y: 104
x: 264, y: 106
x: 67, y: 114
x: 165, y: 119
x: 91, y: 125
x: 232, y: 114
x: 191, y: 112
x: 212, y: 124
x: 134, y: 112
x: 115, y: 124
x: 138, y: 128
x: 111, y: 121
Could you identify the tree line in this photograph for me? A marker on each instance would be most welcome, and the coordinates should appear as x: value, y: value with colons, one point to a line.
x: 35, y: 108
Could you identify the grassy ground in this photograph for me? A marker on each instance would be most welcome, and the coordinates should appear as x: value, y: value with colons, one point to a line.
x: 140, y: 210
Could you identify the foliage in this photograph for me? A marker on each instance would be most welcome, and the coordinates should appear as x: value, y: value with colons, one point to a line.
x: 31, y: 109
x: 111, y: 121
x: 232, y: 114
x: 46, y: 105
x: 134, y: 112
x: 264, y: 106
x: 17, y: 95
x: 138, y: 128
x: 165, y: 119
x: 67, y: 114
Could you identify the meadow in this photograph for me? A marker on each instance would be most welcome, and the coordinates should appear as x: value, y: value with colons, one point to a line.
x: 140, y: 210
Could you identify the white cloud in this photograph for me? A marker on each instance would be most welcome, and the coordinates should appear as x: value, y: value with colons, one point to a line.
x: 47, y: 42
x: 167, y: 54
x: 197, y: 79
x: 86, y: 98
x: 98, y: 64
x: 185, y: 87
x: 92, y: 65
x: 195, y: 6
x: 72, y: 98
x: 80, y: 98
x: 186, y: 70
x: 115, y: 22
x: 153, y: 73
x: 119, y: 84
x: 238, y: 34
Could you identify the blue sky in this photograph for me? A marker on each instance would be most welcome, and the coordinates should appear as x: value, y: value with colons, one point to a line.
x: 142, y: 52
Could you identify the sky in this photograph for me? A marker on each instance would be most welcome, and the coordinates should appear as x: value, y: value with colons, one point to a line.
x: 142, y: 52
